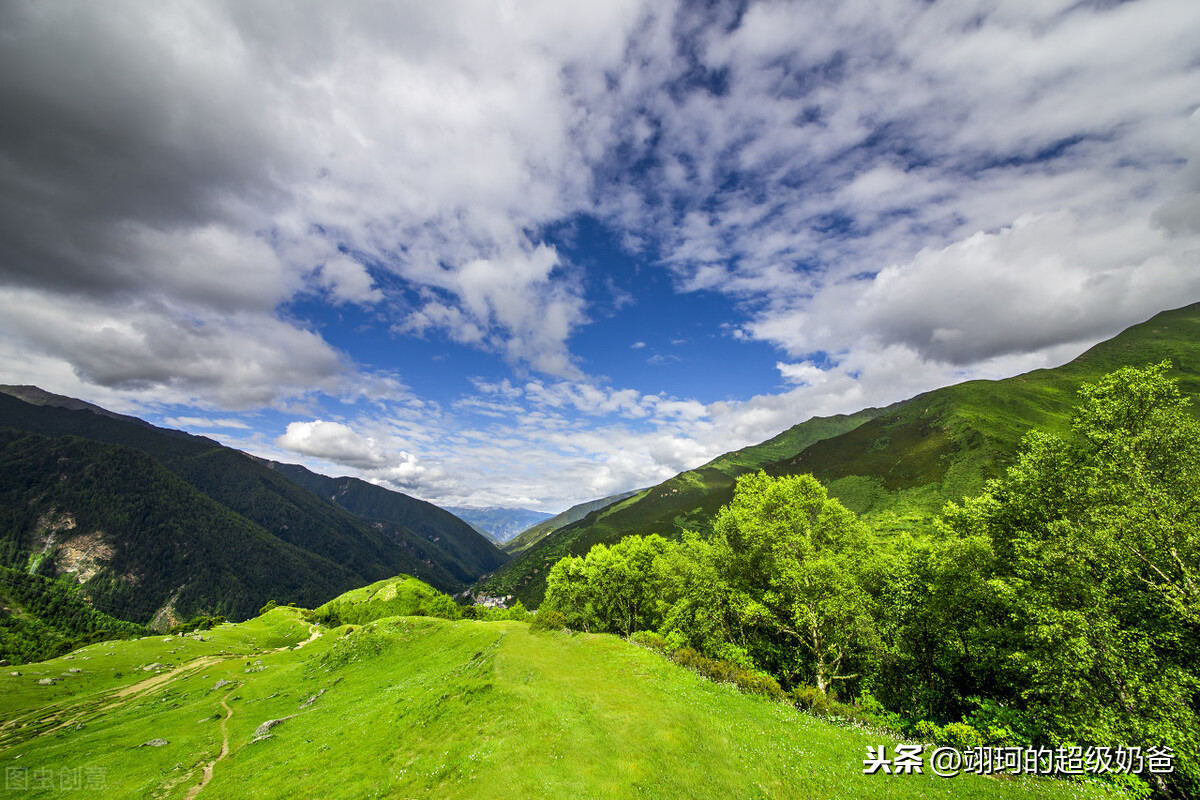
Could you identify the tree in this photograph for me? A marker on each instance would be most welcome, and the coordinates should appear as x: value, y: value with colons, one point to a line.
x: 1097, y: 545
x: 611, y: 589
x: 793, y: 558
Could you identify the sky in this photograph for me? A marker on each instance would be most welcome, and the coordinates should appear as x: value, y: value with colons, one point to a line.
x: 530, y: 254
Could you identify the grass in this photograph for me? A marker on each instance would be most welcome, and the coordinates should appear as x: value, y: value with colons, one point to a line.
x: 421, y: 707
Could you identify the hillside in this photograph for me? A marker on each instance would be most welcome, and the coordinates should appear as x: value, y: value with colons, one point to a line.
x: 450, y: 542
x: 411, y: 706
x: 167, y: 525
x: 895, y: 466
x: 525, y: 539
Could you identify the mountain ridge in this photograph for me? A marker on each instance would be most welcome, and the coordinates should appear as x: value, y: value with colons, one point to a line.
x: 896, y: 466
x: 237, y: 533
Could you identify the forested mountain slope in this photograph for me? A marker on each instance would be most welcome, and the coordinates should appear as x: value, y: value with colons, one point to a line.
x: 459, y: 548
x: 526, y: 538
x: 160, y: 525
x: 895, y: 466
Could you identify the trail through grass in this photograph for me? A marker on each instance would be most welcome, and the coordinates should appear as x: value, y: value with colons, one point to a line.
x: 421, y: 707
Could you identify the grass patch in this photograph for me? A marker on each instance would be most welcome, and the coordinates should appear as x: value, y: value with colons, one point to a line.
x: 415, y: 706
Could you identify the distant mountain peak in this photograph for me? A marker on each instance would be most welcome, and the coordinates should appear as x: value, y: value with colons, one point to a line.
x: 498, y: 523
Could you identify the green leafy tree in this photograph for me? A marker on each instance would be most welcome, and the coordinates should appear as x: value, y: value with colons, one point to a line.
x: 611, y: 588
x: 794, y: 560
x: 1097, y: 547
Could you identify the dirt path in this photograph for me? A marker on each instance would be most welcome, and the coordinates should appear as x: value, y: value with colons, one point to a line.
x: 207, y: 773
x: 129, y: 692
x: 314, y: 633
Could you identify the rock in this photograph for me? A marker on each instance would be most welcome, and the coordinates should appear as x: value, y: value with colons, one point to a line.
x: 312, y: 699
x: 222, y: 683
x: 15, y: 674
x: 154, y: 743
x: 47, y: 681
x: 264, y: 731
x: 152, y: 667
x: 4, y: 662
x: 74, y: 670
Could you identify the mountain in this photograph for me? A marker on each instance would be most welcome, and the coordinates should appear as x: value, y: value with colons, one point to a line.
x: 409, y: 706
x: 896, y: 466
x: 526, y: 538
x: 160, y: 525
x: 458, y: 546
x: 499, y: 524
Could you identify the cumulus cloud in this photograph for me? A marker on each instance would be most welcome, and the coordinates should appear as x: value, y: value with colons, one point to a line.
x: 339, y: 444
x: 226, y: 158
x: 236, y: 360
x: 894, y: 196
x: 970, y: 180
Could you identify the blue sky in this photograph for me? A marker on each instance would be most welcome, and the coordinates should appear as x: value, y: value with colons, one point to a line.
x: 533, y: 254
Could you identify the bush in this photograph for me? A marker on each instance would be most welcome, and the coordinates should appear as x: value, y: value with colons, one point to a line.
x: 961, y: 736
x: 925, y: 731
x: 198, y: 623
x: 1000, y: 725
x: 649, y: 639
x: 811, y: 699
x: 871, y: 711
x: 270, y: 604
x: 545, y: 620
x: 749, y: 681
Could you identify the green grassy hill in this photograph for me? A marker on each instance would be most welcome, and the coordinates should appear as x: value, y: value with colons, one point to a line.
x: 415, y: 706
x: 895, y: 466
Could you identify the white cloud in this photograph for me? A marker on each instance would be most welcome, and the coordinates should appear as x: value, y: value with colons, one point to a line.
x: 340, y: 444
x: 348, y: 281
x: 206, y: 422
x: 237, y: 360
x: 920, y: 193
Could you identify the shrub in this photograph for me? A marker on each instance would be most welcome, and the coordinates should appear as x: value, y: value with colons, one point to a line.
x: 270, y: 604
x: 198, y: 623
x: 545, y: 620
x: 1000, y: 725
x: 750, y: 681
x: 811, y: 699
x: 925, y: 731
x: 871, y: 711
x: 961, y: 736
x: 675, y: 641
x: 649, y: 639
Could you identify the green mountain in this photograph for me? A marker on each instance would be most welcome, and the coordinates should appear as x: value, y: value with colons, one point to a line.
x: 896, y: 466
x: 526, y: 538
x: 448, y: 540
x: 408, y: 706
x: 158, y: 525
